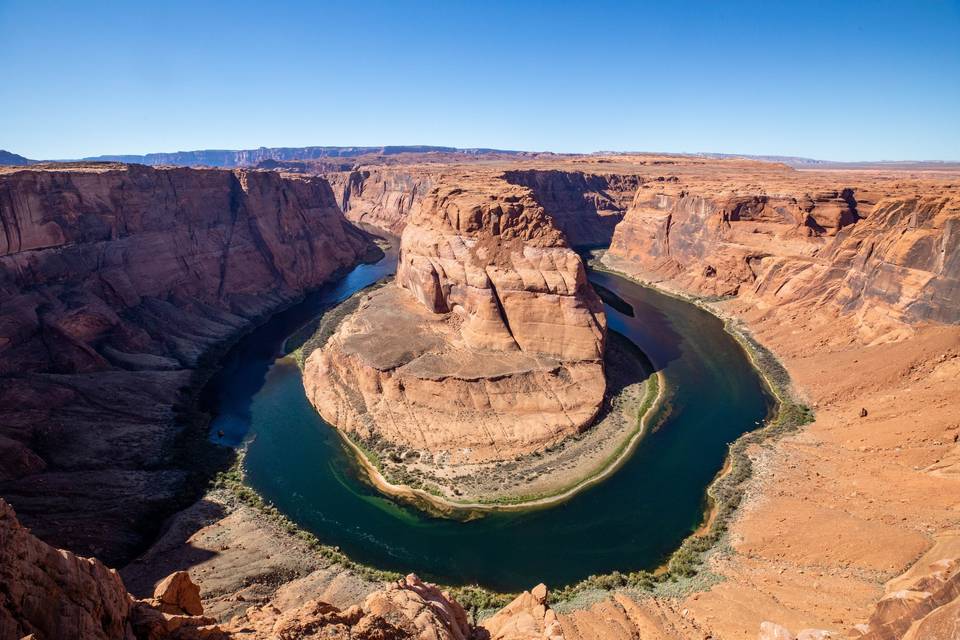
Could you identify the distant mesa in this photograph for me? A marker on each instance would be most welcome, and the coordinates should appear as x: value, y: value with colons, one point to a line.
x: 227, y: 158
x: 12, y: 159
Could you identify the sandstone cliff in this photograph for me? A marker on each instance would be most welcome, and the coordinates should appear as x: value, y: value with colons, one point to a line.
x: 491, y: 344
x: 117, y: 283
x: 382, y: 197
x: 52, y: 594
x: 889, y: 258
x: 586, y: 206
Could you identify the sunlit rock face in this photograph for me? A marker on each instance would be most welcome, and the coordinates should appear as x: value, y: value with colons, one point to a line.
x: 489, y: 345
x: 884, y: 257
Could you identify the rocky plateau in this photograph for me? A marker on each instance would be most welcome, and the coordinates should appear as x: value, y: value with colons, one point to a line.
x: 490, y: 344
x: 120, y: 285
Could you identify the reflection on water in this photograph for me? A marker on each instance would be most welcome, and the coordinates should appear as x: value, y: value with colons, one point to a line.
x: 631, y: 521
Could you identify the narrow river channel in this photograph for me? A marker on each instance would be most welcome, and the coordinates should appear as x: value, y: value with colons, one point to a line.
x: 631, y: 521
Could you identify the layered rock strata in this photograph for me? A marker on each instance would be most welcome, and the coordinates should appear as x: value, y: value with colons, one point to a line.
x: 586, y: 206
x: 117, y: 284
x: 889, y: 259
x: 48, y: 593
x: 490, y: 345
x: 381, y: 197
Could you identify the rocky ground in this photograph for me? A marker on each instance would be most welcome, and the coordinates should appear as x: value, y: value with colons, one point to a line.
x: 849, y: 525
x: 488, y: 347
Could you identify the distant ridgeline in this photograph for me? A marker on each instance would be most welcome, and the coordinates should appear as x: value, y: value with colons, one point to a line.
x: 251, y: 157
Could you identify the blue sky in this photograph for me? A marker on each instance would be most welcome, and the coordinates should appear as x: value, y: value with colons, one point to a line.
x: 833, y: 80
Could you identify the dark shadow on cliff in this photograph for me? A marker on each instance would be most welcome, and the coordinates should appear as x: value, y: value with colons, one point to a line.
x: 643, y: 324
x: 584, y: 206
x: 171, y: 551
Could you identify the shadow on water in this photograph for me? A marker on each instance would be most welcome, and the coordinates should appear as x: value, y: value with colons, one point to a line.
x: 631, y: 521
x: 230, y: 391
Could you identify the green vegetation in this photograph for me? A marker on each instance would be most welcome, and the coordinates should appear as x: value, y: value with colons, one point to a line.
x: 232, y: 482
x: 314, y: 334
x: 682, y: 572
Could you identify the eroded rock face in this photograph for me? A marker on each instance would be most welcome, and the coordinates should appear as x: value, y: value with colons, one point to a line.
x: 888, y: 260
x: 53, y: 593
x: 528, y: 617
x: 585, y: 206
x: 490, y: 345
x: 48, y: 593
x: 492, y: 256
x: 117, y: 282
x: 382, y: 197
x: 409, y: 609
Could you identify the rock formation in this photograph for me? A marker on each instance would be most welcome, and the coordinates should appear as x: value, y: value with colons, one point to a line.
x: 489, y: 346
x: 117, y: 285
x: 586, y: 206
x: 382, y: 197
x: 528, y: 617
x: 48, y: 593
x: 889, y: 257
x: 407, y: 609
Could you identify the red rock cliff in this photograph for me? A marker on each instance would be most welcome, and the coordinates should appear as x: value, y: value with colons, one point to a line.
x: 889, y: 260
x: 116, y: 282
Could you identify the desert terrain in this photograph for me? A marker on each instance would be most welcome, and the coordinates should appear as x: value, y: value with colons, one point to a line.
x: 122, y: 284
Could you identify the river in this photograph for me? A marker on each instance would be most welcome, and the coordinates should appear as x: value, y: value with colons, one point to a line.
x: 631, y: 521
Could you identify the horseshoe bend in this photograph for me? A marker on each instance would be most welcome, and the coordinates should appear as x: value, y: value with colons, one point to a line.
x: 469, y: 393
x: 487, y: 352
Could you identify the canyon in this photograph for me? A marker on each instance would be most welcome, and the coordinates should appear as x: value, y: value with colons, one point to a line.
x: 120, y: 285
x: 490, y: 306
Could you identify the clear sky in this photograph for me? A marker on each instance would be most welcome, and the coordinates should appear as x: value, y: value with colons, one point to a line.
x: 864, y: 80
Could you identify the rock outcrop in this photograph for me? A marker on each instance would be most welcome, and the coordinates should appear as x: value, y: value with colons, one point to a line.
x: 887, y: 257
x: 528, y: 617
x: 382, y: 197
x: 52, y: 594
x: 408, y: 609
x: 586, y: 206
x: 490, y: 344
x: 117, y: 285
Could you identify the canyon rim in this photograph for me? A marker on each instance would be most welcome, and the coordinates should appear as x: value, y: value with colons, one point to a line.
x: 646, y: 342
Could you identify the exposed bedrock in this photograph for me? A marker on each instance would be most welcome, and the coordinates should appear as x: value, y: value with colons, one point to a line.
x: 117, y: 285
x: 382, y: 197
x: 489, y: 345
x: 889, y: 261
x: 50, y: 593
x: 585, y: 206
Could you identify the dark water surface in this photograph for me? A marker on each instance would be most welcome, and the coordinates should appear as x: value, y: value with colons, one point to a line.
x: 631, y: 521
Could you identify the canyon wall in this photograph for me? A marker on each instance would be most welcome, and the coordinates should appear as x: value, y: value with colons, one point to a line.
x: 585, y: 206
x: 887, y: 259
x: 118, y: 283
x: 383, y: 197
x: 53, y: 594
x: 491, y: 344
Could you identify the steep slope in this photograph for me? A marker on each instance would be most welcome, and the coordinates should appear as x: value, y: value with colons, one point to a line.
x: 490, y: 345
x: 585, y: 206
x: 382, y: 197
x: 887, y: 257
x: 118, y: 283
